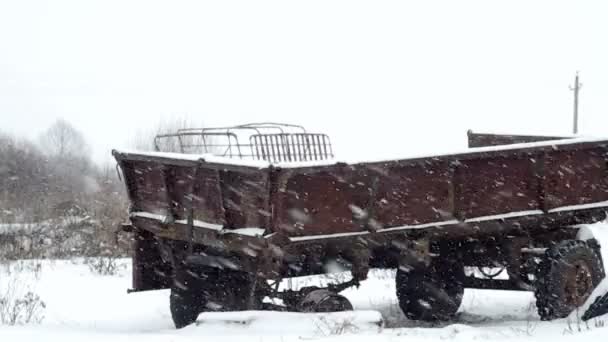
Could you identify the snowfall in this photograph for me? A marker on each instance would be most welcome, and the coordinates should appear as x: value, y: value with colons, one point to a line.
x: 82, y: 305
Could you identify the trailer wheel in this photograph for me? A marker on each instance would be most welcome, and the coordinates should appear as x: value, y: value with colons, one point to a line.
x: 202, y: 289
x: 235, y: 289
x: 566, y: 277
x: 188, y: 297
x: 432, y: 294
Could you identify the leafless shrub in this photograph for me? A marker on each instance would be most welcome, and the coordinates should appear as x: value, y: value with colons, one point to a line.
x: 575, y: 324
x: 327, y: 326
x: 15, y: 268
x: 569, y: 328
x: 17, y: 308
x: 105, y: 265
x: 531, y: 322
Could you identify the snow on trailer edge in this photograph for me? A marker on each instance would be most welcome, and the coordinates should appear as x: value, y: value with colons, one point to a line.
x: 261, y: 164
x: 259, y: 232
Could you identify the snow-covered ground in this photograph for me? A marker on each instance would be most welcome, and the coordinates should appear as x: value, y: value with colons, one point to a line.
x: 83, y: 306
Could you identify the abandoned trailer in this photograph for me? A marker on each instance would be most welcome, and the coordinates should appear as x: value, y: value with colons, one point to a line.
x: 222, y: 215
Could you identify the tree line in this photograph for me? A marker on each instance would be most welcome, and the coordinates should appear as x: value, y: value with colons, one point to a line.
x: 51, y: 189
x: 56, y: 202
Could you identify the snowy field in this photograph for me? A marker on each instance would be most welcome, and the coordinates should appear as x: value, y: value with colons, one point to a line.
x: 84, y: 306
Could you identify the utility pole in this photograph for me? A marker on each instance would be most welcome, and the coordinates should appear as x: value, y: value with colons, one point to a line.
x: 577, y: 87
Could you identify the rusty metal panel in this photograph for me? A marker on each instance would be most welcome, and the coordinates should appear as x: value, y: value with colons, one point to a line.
x: 487, y: 139
x: 317, y: 201
x: 496, y: 185
x: 320, y: 200
x: 575, y: 177
x: 326, y: 200
x: 412, y: 193
x: 179, y: 182
x: 173, y: 189
x: 146, y: 184
x: 150, y: 272
x: 246, y: 198
x: 207, y: 197
x: 198, y: 188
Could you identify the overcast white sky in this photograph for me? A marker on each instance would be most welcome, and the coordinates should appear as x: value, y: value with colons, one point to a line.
x: 381, y: 77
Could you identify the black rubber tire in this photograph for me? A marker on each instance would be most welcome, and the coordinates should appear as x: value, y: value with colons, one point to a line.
x: 203, y: 289
x: 553, y: 299
x: 189, y: 295
x: 183, y: 310
x: 432, y: 294
x: 234, y: 289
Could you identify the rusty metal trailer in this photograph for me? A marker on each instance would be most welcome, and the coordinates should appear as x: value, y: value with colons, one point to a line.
x: 222, y: 222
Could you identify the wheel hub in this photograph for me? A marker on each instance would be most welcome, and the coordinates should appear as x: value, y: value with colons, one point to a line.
x: 323, y: 300
x: 579, y: 284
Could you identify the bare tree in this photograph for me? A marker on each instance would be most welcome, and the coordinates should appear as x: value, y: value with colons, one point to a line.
x: 24, y: 177
x: 52, y: 209
x: 63, y: 141
x: 69, y: 164
x: 144, y: 139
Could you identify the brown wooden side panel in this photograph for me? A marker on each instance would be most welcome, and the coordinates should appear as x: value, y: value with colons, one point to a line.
x: 322, y: 200
x: 179, y: 181
x: 207, y: 196
x: 172, y: 190
x: 146, y: 184
x: 496, y: 185
x: 327, y: 200
x: 318, y: 201
x: 195, y: 187
x: 245, y: 198
x: 575, y: 177
x: 488, y: 139
x: 412, y: 193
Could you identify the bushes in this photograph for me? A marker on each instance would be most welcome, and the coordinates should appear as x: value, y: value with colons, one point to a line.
x: 105, y: 266
x: 58, y: 239
x: 19, y: 303
x: 54, y: 201
x: 24, y: 309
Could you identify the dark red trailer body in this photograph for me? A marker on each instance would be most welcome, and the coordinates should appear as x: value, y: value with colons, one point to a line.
x: 278, y: 220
